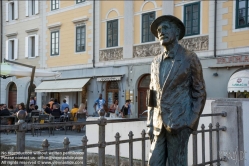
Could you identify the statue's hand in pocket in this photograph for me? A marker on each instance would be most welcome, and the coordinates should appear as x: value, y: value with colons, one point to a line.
x: 150, y: 133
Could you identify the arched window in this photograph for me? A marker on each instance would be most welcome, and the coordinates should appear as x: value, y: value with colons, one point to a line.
x: 12, y: 97
x: 143, y: 86
x: 111, y: 92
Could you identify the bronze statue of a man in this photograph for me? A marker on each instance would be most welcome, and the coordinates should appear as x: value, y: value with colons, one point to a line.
x: 177, y: 95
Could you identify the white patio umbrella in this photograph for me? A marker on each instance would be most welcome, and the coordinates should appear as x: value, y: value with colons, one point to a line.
x: 20, y: 71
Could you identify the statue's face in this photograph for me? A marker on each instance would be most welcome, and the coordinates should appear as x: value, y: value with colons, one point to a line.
x: 166, y: 33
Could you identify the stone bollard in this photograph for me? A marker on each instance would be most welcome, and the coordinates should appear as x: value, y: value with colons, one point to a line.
x: 45, y: 146
x: 66, y: 143
x: 20, y: 132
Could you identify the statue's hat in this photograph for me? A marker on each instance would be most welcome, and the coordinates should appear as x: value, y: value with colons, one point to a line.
x: 170, y: 18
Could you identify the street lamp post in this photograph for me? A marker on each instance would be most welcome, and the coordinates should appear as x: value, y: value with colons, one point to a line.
x: 31, y: 80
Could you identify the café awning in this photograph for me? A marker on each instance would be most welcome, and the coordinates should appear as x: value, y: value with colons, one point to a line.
x: 70, y: 85
x: 20, y: 71
x: 239, y: 81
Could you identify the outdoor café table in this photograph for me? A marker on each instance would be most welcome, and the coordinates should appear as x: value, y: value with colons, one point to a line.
x: 11, y: 116
x: 51, y: 119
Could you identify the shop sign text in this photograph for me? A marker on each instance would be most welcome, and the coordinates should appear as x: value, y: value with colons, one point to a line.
x: 108, y: 78
x: 233, y: 59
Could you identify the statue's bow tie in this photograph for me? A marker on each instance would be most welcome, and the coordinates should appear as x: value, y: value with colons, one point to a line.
x: 168, y: 55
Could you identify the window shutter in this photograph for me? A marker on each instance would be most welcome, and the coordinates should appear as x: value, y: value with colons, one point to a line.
x: 7, y: 50
x: 7, y: 11
x: 16, y: 9
x: 36, y: 6
x: 36, y: 45
x: 15, y: 49
x: 26, y: 47
x: 27, y: 8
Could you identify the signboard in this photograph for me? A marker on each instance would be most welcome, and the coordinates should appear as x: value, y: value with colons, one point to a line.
x: 238, y: 84
x: 108, y: 78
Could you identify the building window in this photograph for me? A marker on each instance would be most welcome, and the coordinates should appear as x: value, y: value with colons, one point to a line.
x: 147, y: 19
x: 54, y: 4
x: 242, y: 13
x: 55, y: 43
x: 112, y: 33
x: 11, y: 49
x: 12, y: 10
x: 80, y: 1
x: 192, y: 19
x: 80, y: 38
x: 31, y: 46
x: 32, y: 7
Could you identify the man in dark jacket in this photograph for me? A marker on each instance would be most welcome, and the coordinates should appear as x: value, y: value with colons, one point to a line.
x: 4, y: 111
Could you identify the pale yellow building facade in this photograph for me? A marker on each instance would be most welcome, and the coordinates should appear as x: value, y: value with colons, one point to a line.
x: 108, y: 46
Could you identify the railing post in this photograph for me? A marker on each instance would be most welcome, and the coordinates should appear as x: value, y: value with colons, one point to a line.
x: 84, y: 143
x: 45, y: 146
x: 102, y: 143
x: 130, y: 148
x: 210, y: 143
x: 117, y: 136
x: 66, y: 143
x: 218, y: 143
x: 203, y: 143
x: 194, y: 148
x: 143, y: 147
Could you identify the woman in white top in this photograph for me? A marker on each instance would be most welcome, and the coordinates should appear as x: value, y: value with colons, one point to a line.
x: 114, y: 110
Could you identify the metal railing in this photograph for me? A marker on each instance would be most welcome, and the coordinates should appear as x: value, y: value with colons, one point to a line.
x: 210, y: 131
x: 102, y: 121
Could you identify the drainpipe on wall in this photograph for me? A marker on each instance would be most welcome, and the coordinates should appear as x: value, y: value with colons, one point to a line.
x: 1, y: 40
x: 93, y: 34
x: 215, y: 24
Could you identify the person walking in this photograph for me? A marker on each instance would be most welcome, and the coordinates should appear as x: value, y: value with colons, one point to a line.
x: 129, y: 109
x: 124, y: 109
x: 114, y: 110
x: 98, y: 104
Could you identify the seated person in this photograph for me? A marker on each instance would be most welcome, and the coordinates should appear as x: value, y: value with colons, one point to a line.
x: 4, y: 111
x: 47, y: 109
x: 56, y: 112
x: 35, y: 112
x: 64, y: 115
x: 74, y: 111
x: 11, y: 109
x: 31, y: 108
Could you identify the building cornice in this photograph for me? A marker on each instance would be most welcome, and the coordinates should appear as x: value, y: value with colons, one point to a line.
x: 54, y: 25
x: 80, y: 20
x: 11, y: 34
x: 32, y: 30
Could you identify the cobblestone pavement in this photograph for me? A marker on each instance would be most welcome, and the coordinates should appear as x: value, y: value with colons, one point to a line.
x: 34, y: 142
